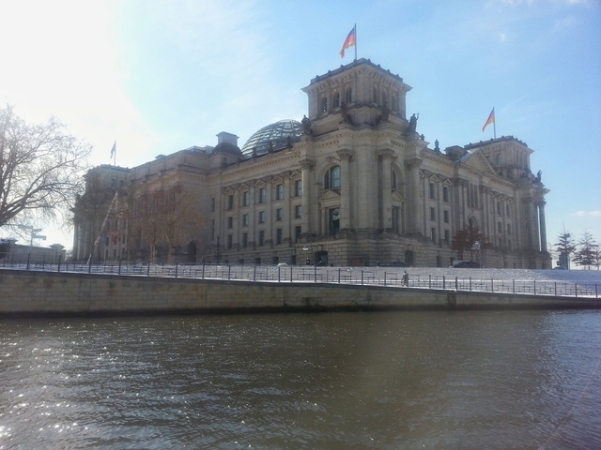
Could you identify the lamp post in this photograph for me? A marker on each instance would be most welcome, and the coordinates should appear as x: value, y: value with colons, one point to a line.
x: 33, y: 232
x: 476, y: 248
x: 306, y: 250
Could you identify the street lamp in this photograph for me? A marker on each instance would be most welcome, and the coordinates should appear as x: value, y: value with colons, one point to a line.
x: 33, y: 232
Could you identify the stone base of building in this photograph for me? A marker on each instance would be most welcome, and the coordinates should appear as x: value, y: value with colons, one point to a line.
x: 414, y: 251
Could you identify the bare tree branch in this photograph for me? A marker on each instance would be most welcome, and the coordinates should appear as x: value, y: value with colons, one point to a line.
x: 40, y: 167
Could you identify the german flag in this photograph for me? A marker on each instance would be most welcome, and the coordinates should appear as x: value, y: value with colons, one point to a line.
x: 491, y: 119
x: 349, y: 41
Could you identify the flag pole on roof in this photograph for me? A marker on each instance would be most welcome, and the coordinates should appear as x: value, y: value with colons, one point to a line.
x: 350, y: 41
x: 114, y: 153
x: 491, y: 119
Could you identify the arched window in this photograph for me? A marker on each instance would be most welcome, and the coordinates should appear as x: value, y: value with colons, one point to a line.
x: 375, y: 95
x: 349, y: 95
x: 332, y: 178
x: 393, y: 180
x: 336, y: 100
x: 324, y: 104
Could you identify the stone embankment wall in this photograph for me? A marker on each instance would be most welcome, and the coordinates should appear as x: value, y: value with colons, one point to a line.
x: 45, y: 293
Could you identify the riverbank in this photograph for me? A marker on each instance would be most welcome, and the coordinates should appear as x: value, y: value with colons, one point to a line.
x: 27, y: 293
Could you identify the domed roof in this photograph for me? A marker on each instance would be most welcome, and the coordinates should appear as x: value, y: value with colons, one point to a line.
x: 276, y: 133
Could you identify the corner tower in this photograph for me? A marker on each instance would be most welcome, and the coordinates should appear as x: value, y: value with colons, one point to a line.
x: 360, y: 93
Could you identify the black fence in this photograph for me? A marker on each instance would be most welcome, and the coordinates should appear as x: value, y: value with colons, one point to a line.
x: 368, y: 276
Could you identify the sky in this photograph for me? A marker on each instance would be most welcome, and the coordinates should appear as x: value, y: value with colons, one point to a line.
x: 158, y: 76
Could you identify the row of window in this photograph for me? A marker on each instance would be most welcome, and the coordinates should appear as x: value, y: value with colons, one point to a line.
x: 472, y: 198
x: 348, y: 98
x: 279, y: 237
x: 279, y: 216
x: 446, y: 215
x: 445, y: 192
x: 261, y: 195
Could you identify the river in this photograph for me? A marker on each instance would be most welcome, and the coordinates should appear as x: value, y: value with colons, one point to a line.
x: 394, y: 380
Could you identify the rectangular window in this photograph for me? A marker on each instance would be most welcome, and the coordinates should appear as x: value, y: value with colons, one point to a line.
x: 509, y: 245
x: 261, y: 216
x: 433, y: 234
x: 245, y: 220
x: 432, y: 191
x: 261, y: 238
x: 230, y: 222
x: 245, y: 198
x: 432, y: 214
x: 499, y: 208
x: 278, y: 236
x: 212, y: 230
x: 279, y: 192
x: 229, y: 241
x: 298, y: 188
x: 507, y: 211
x: 298, y: 211
x: 212, y: 204
x: 446, y: 236
x: 446, y: 216
x: 508, y: 228
x: 297, y: 233
x: 230, y: 201
x: 262, y: 195
x: 445, y: 194
x: 244, y: 240
x: 279, y: 214
x: 500, y: 227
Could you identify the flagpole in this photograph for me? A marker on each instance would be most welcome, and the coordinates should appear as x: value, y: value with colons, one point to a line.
x: 356, y: 42
x: 494, y: 123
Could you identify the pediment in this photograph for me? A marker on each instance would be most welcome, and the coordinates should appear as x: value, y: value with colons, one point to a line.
x: 397, y: 197
x: 329, y: 196
x: 477, y: 161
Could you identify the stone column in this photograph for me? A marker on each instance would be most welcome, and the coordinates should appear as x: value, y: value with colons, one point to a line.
x: 268, y: 207
x: 306, y: 166
x: 543, y: 227
x: 386, y: 155
x: 345, y: 156
x: 528, y: 226
x: 414, y: 225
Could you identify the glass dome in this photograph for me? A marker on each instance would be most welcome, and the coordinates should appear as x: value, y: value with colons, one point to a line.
x: 276, y: 133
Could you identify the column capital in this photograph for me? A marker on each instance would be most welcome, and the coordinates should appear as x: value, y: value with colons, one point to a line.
x: 307, y: 164
x: 345, y: 154
x: 385, y: 153
x: 412, y: 163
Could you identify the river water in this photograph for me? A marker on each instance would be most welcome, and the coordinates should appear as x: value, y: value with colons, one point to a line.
x: 393, y: 380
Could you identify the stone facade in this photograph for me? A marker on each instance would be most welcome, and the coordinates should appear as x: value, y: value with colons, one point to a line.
x: 358, y: 186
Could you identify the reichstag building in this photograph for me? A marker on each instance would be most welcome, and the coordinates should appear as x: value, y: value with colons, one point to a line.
x: 352, y: 183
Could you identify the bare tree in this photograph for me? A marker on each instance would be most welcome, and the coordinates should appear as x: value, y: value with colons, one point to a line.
x: 465, y: 239
x: 181, y: 217
x: 40, y: 167
x: 91, y: 208
x: 163, y: 217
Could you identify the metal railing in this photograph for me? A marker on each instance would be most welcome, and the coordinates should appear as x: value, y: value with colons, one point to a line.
x: 367, y: 276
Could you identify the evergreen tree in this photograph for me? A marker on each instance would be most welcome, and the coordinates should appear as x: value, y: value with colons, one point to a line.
x: 565, y: 246
x: 587, y: 247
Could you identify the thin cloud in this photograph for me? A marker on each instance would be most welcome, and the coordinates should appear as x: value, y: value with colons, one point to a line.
x: 595, y: 213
